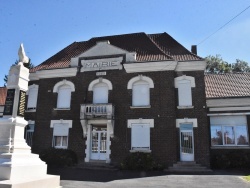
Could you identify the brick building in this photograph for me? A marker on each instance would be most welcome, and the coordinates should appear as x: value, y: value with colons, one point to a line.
x: 109, y: 96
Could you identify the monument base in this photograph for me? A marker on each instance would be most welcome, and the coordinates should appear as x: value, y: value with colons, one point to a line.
x: 48, y: 181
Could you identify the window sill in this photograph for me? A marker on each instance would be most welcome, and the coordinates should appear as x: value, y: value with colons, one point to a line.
x: 230, y: 147
x: 142, y: 151
x: 61, y: 108
x: 185, y: 107
x: 60, y: 147
x: 132, y: 107
x: 30, y: 110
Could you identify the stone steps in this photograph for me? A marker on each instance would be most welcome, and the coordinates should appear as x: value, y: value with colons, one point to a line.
x: 188, y: 167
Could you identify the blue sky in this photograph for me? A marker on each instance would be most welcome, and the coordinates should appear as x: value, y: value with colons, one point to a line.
x: 46, y: 26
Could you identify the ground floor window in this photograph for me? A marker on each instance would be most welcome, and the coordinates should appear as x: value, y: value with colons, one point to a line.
x: 140, y: 134
x: 229, y: 131
x: 60, y: 133
x: 29, y: 131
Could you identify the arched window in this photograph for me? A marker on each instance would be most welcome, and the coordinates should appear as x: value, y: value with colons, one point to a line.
x: 140, y: 86
x: 100, y: 93
x: 64, y: 89
x: 100, y: 88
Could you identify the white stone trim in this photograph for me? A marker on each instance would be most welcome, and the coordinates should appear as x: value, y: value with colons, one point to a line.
x: 140, y: 78
x: 191, y: 65
x: 140, y: 121
x: 53, y: 73
x: 100, y: 80
x: 31, y: 122
x: 229, y: 109
x: 238, y: 102
x: 229, y: 114
x: 185, y: 107
x: 186, y: 120
x: 150, y: 66
x: 61, y: 121
x: 33, y: 86
x: 63, y: 82
x: 184, y: 77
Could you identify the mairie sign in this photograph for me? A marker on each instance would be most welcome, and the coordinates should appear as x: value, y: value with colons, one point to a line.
x: 101, y: 64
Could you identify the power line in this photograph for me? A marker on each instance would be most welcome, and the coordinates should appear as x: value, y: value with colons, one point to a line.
x: 223, y: 25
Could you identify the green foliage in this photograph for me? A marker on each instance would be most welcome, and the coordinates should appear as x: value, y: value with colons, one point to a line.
x: 58, y: 157
x: 231, y: 160
x: 140, y: 161
x: 215, y: 64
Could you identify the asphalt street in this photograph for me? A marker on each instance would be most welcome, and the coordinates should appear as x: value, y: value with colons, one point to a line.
x: 76, y: 177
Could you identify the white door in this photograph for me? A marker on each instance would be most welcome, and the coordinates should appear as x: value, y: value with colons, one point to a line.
x: 186, y: 142
x: 98, y: 144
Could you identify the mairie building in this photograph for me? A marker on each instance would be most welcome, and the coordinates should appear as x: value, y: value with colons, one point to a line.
x: 111, y: 96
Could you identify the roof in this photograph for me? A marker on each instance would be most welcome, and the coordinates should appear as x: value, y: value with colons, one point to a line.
x: 3, y: 93
x: 152, y: 47
x: 227, y: 85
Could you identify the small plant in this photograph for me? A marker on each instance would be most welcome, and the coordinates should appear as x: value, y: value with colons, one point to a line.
x: 140, y: 161
x: 58, y: 157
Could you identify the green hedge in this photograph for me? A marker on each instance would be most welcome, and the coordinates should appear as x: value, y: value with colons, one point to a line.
x: 233, y: 159
x: 140, y: 161
x: 58, y: 157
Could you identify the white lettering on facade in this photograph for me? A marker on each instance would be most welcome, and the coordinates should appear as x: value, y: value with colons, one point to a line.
x: 100, y: 64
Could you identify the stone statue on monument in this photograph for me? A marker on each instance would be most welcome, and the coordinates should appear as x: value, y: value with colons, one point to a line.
x: 22, y: 56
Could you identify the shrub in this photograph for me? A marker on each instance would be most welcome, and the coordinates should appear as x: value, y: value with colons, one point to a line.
x: 140, y: 161
x: 58, y: 157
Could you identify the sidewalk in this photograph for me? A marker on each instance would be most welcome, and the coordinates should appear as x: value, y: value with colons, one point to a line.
x: 76, y: 177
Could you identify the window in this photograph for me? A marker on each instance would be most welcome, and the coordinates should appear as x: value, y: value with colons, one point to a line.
x: 29, y: 131
x: 140, y: 93
x: 140, y: 134
x: 64, y: 89
x: 100, y: 93
x: 60, y: 133
x: 184, y: 85
x: 32, y: 96
x: 229, y: 131
x: 140, y: 86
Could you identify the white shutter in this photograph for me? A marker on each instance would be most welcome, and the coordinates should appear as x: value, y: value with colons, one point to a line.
x: 32, y: 98
x: 61, y: 129
x: 140, y: 136
x: 100, y: 93
x: 64, y: 97
x: 184, y: 93
x: 140, y: 94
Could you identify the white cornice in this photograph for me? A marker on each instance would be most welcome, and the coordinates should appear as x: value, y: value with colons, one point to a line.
x: 238, y: 102
x: 150, y: 66
x: 53, y: 73
x: 229, y: 109
x: 190, y: 66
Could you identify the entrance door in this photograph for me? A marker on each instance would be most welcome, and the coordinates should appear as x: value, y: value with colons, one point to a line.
x: 98, y: 143
x: 186, y: 142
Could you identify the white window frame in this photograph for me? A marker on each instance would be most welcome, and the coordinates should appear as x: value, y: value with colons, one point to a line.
x: 229, y: 124
x: 138, y: 122
x: 104, y: 95
x: 180, y: 97
x: 67, y: 123
x: 138, y: 79
x: 31, y: 106
x: 56, y: 89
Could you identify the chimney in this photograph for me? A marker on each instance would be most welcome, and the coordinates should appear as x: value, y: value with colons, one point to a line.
x: 194, y: 49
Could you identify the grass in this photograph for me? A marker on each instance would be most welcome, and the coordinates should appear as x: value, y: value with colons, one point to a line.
x: 247, y: 178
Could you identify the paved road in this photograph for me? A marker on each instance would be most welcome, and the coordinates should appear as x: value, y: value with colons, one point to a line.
x: 72, y: 178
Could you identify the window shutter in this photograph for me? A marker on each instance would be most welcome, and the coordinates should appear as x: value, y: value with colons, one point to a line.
x: 32, y: 98
x: 61, y: 130
x: 64, y: 97
x: 141, y: 96
x: 140, y: 136
x: 184, y: 93
x: 100, y: 93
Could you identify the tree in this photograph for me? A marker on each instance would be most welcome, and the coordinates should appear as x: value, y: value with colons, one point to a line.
x: 28, y: 65
x: 240, y: 66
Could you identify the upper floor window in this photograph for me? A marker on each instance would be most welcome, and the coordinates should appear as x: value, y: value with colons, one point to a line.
x: 100, y: 88
x: 64, y: 89
x: 140, y: 86
x: 184, y: 85
x: 32, y: 96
